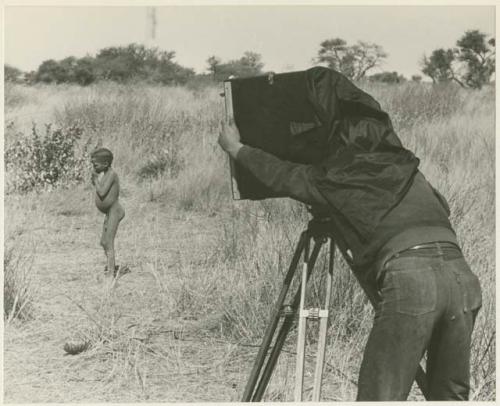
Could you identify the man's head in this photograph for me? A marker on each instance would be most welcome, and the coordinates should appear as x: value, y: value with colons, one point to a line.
x: 101, y: 159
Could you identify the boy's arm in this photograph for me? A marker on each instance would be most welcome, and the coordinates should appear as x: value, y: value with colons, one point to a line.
x: 103, y: 186
x: 93, y: 177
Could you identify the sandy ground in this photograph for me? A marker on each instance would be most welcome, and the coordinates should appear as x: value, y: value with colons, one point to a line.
x: 67, y: 260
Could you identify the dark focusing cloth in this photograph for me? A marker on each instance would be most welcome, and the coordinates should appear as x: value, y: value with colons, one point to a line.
x: 319, y: 117
x: 368, y: 171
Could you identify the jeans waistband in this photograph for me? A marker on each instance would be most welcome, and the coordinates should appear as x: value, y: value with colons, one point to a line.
x: 445, y: 249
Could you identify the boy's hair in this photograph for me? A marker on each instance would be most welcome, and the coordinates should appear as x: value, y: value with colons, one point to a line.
x: 102, y: 154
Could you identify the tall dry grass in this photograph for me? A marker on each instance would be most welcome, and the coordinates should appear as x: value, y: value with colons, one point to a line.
x: 164, y: 141
x: 18, y: 286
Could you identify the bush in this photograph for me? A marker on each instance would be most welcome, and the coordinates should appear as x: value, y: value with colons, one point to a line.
x: 387, y: 77
x: 12, y: 74
x: 46, y: 161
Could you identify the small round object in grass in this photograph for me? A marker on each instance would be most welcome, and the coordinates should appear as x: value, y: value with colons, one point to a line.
x: 75, y: 347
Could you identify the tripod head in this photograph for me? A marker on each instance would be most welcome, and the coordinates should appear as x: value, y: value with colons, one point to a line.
x: 321, y: 224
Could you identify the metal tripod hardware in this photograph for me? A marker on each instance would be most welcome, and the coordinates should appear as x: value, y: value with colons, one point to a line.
x: 313, y: 314
x: 263, y: 369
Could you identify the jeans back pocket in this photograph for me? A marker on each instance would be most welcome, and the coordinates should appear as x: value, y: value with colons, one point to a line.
x: 410, y: 289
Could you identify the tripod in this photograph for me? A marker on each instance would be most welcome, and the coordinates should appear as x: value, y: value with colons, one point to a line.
x: 319, y: 231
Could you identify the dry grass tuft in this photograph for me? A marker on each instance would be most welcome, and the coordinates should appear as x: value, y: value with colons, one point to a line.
x: 18, y: 287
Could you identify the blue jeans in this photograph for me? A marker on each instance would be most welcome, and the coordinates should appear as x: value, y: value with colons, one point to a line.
x: 429, y: 301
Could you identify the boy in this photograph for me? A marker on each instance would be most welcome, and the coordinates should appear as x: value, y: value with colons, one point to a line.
x: 107, y: 187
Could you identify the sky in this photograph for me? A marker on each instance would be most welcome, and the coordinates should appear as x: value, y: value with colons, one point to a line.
x: 287, y: 36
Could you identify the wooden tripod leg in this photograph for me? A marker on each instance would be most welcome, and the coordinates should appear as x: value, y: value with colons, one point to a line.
x: 259, y: 360
x: 273, y: 358
x: 301, y: 336
x: 282, y: 334
x: 323, y: 327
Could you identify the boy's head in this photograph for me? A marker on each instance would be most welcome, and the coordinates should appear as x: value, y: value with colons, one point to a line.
x: 101, y: 159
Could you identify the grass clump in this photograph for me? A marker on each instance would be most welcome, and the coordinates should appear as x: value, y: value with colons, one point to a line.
x: 18, y: 287
x: 165, y: 162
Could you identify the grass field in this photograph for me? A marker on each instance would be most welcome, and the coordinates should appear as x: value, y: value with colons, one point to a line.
x: 185, y: 325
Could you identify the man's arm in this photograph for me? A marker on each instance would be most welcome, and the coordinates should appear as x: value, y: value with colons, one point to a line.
x: 103, y: 186
x: 283, y: 177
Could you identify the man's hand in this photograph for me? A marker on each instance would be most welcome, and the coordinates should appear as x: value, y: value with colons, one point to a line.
x: 229, y: 138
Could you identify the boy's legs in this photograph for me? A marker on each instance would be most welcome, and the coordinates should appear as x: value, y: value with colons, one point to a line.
x: 111, y: 221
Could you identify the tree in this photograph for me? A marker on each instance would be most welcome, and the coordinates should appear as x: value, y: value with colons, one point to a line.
x: 366, y: 56
x: 252, y: 60
x: 51, y: 71
x: 136, y: 62
x: 121, y: 64
x: 354, y: 61
x: 439, y: 66
x: 250, y: 64
x: 12, y: 74
x: 213, y: 62
x: 416, y: 78
x: 471, y: 64
x: 84, y: 71
x: 478, y: 56
x: 333, y: 52
x: 387, y: 77
x: 67, y: 68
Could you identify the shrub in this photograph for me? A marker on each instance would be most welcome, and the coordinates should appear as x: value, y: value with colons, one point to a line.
x: 46, y: 161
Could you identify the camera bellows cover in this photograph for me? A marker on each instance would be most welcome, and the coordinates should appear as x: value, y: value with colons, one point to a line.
x: 275, y: 115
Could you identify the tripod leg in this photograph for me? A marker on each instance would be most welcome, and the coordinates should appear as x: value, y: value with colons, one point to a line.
x: 282, y: 334
x: 273, y: 358
x: 301, y: 336
x: 259, y: 361
x: 323, y: 327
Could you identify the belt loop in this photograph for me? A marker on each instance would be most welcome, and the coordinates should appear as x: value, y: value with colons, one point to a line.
x: 439, y: 249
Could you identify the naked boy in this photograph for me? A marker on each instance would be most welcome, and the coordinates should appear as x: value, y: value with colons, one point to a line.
x: 107, y: 188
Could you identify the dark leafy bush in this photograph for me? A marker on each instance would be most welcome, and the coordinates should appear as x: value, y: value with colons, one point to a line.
x: 48, y: 160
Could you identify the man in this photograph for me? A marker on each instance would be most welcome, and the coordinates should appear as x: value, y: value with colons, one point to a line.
x: 392, y: 227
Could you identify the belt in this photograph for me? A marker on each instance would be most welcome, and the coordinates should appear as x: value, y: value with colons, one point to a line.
x: 443, y: 248
x: 439, y: 245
